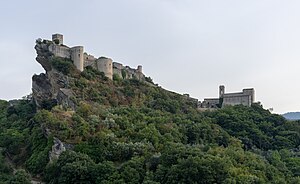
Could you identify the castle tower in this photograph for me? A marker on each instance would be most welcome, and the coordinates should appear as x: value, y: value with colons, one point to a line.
x: 140, y: 69
x: 105, y: 65
x: 58, y: 37
x: 251, y: 94
x: 77, y: 57
x: 139, y: 73
x: 221, y: 91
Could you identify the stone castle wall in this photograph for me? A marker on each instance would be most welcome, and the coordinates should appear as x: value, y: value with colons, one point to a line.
x: 46, y: 48
x: 89, y: 60
x: 105, y: 65
x: 125, y: 72
x: 210, y: 103
x: 82, y: 60
x: 237, y: 100
x: 58, y: 37
x: 246, y: 97
x: 60, y: 51
x: 77, y: 57
x: 117, y: 69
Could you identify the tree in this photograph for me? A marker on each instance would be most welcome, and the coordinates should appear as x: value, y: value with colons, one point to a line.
x: 20, y: 177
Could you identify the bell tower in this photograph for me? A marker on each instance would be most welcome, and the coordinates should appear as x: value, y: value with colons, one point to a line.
x: 221, y: 91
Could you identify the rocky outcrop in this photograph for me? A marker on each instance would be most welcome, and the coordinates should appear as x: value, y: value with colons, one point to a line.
x: 41, y: 89
x: 57, y: 149
x: 50, y: 87
x: 43, y: 54
x: 64, y: 97
x: 58, y: 146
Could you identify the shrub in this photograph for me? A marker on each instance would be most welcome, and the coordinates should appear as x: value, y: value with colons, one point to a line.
x: 149, y: 79
x: 124, y: 73
x: 20, y: 177
x: 91, y: 73
x: 116, y: 77
x: 48, y: 104
x: 63, y: 65
x: 56, y: 41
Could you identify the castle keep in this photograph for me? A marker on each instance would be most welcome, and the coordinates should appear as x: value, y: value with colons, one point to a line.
x: 246, y: 97
x: 81, y: 59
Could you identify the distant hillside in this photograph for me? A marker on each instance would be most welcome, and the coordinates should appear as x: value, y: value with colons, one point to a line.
x: 292, y: 115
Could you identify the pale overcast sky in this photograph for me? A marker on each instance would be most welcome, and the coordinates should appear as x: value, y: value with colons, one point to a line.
x: 187, y: 46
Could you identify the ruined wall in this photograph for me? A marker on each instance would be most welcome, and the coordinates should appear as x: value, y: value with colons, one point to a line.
x: 74, y: 53
x: 60, y: 51
x: 117, y: 69
x: 134, y: 73
x: 130, y: 72
x: 210, y: 103
x: 139, y: 75
x: 127, y: 72
x: 89, y: 60
x: 82, y: 60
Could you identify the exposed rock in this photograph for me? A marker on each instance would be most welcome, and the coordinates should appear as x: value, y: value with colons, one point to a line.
x: 41, y: 89
x: 64, y: 97
x: 43, y: 55
x: 13, y: 102
x: 46, y: 87
x: 44, y: 62
x: 57, y: 80
x: 57, y: 149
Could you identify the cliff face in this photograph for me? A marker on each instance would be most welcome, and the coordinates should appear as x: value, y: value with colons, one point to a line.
x: 53, y: 87
x: 49, y: 87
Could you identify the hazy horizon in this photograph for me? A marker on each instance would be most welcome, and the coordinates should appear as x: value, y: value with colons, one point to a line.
x: 187, y: 47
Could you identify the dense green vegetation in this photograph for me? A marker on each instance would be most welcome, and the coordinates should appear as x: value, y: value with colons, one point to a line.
x: 14, y: 139
x: 63, y: 65
x: 127, y: 131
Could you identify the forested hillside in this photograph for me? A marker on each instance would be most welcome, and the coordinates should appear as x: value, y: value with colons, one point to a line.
x: 129, y: 131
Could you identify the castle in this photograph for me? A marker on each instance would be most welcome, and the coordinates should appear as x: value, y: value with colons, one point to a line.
x: 246, y: 97
x: 55, y: 47
x: 81, y: 60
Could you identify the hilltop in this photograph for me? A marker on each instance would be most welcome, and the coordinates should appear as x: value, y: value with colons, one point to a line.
x: 292, y: 115
x: 81, y: 126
